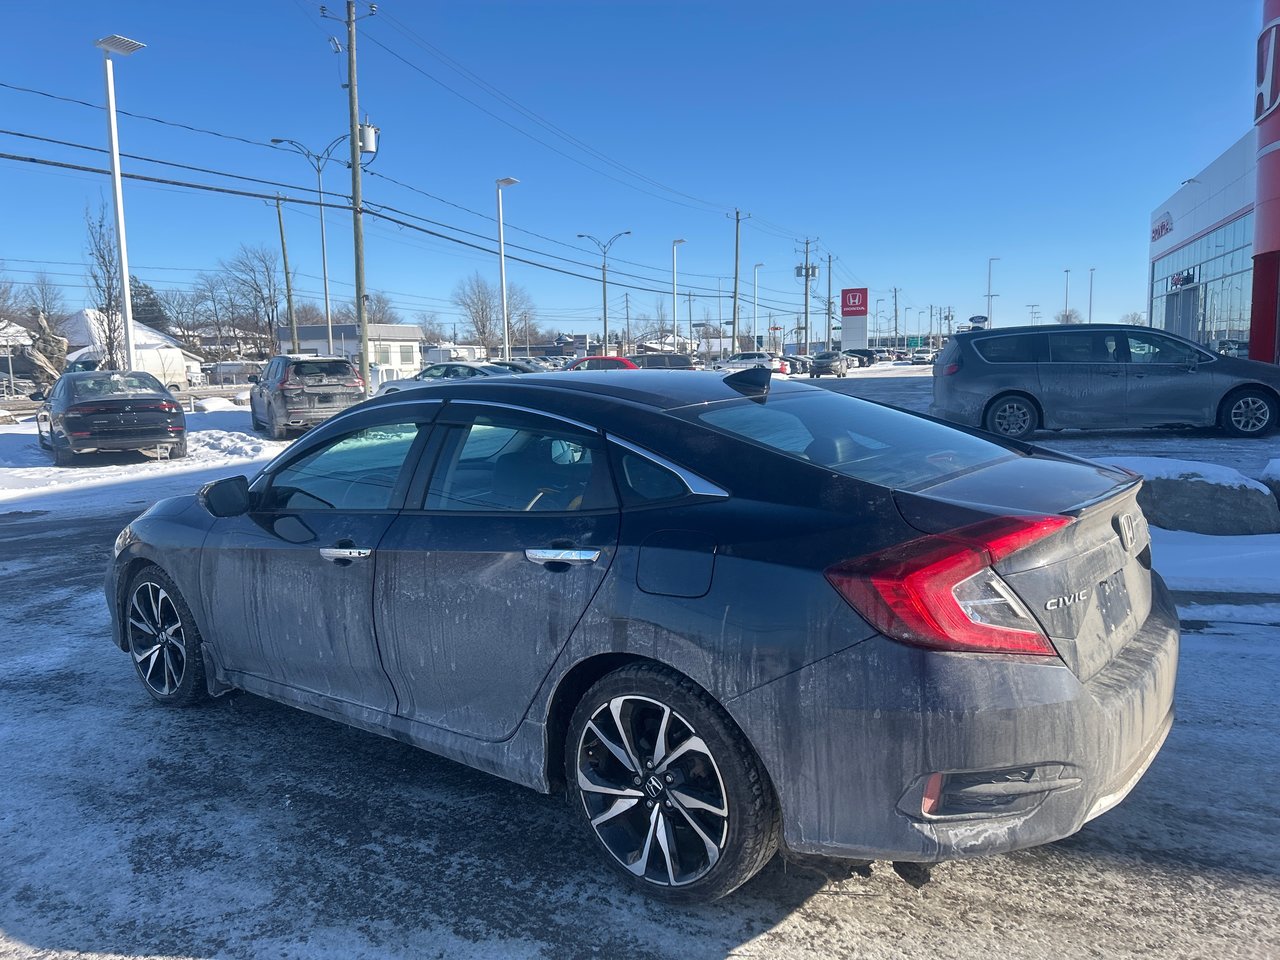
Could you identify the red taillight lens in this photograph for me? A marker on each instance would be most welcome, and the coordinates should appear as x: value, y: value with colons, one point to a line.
x: 940, y: 592
x: 950, y: 368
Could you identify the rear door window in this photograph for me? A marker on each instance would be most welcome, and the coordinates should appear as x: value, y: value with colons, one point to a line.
x: 1013, y: 349
x: 1084, y: 346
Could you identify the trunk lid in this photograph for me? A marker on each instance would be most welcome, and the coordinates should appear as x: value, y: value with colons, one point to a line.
x: 1089, y: 584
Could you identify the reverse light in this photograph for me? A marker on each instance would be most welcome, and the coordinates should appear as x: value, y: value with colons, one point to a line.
x: 940, y: 592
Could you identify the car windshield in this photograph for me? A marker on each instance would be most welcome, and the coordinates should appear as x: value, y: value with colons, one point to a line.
x: 827, y: 356
x: 850, y: 436
x: 115, y: 384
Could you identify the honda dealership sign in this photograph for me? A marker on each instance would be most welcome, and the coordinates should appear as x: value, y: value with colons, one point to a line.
x: 853, y: 302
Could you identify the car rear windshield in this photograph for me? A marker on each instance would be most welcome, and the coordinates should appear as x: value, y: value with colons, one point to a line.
x: 116, y: 384
x: 877, y: 444
x: 322, y: 368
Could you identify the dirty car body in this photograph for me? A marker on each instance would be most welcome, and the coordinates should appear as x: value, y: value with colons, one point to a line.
x: 985, y: 658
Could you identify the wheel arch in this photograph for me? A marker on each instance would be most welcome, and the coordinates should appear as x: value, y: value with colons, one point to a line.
x: 1266, y: 388
x: 1003, y: 394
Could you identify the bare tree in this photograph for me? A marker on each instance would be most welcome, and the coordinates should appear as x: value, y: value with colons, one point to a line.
x: 308, y: 313
x: 185, y: 314
x: 220, y: 312
x: 481, y: 304
x: 10, y: 304
x: 523, y: 316
x: 1068, y: 316
x: 1135, y: 318
x: 104, y: 285
x: 45, y: 297
x: 378, y: 308
x: 432, y: 329
x: 254, y: 273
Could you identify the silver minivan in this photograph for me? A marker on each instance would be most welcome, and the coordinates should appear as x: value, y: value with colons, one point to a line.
x: 1017, y: 380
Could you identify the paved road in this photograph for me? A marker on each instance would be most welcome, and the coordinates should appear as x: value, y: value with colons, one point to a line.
x: 246, y: 829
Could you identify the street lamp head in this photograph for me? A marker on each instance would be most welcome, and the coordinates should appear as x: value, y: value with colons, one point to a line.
x: 507, y: 182
x: 757, y: 266
x: 584, y: 236
x: 277, y: 140
x: 675, y: 243
x: 118, y: 44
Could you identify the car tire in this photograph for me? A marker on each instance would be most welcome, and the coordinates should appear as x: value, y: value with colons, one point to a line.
x: 253, y: 418
x: 662, y: 843
x: 44, y: 444
x: 178, y: 450
x: 1012, y: 416
x: 1250, y: 412
x: 277, y: 429
x: 162, y: 639
x: 62, y: 456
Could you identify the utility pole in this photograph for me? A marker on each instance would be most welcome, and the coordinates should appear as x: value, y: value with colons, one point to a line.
x: 829, y: 304
x: 1066, y: 298
x: 357, y: 199
x: 1091, y: 269
x: 895, y: 318
x: 675, y: 326
x: 1033, y: 307
x: 737, y: 247
x: 990, y: 261
x: 626, y: 301
x: 288, y: 284
x: 808, y: 275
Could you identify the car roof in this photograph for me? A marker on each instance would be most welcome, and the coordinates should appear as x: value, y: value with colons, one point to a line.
x: 657, y: 388
x: 1060, y: 327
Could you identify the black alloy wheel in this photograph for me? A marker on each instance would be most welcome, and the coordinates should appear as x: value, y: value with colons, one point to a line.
x: 163, y: 641
x: 668, y: 786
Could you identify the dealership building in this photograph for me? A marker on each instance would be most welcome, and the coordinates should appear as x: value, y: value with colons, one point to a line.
x: 1215, y: 244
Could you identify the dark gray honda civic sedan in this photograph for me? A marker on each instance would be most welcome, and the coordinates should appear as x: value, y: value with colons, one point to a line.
x: 590, y: 583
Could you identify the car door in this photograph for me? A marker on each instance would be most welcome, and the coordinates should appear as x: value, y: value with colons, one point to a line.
x: 288, y: 587
x: 1082, y: 383
x: 478, y: 589
x: 1166, y: 382
x: 259, y: 395
x: 55, y: 399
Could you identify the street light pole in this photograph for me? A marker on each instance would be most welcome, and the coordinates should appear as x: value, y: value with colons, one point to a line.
x: 879, y: 300
x: 318, y: 161
x: 990, y: 261
x: 502, y: 269
x: 755, y: 305
x: 1066, y: 298
x: 675, y: 303
x: 122, y: 46
x: 1091, y: 269
x: 604, y: 277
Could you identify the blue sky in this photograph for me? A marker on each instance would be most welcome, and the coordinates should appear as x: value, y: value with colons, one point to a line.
x: 913, y: 140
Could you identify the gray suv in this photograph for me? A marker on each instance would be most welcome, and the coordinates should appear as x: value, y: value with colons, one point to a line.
x: 1017, y: 380
x: 296, y: 392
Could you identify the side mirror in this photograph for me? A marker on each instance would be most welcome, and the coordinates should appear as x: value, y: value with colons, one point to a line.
x: 253, y: 378
x: 228, y: 497
x: 38, y: 395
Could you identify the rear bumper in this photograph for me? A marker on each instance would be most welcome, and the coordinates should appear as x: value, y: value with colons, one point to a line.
x: 1008, y: 752
x: 146, y: 442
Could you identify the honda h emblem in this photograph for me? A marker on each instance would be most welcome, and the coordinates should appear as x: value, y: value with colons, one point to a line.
x: 1268, y: 90
x: 1128, y: 532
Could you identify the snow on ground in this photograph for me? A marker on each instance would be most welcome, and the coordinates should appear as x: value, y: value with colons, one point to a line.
x: 1194, y: 561
x: 220, y: 443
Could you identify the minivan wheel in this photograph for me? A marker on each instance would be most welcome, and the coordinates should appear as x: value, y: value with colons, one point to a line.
x: 664, y: 782
x: 1012, y: 416
x: 163, y: 641
x: 1248, y: 413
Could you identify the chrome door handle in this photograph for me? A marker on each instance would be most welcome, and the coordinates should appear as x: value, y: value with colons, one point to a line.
x: 556, y: 555
x: 344, y: 555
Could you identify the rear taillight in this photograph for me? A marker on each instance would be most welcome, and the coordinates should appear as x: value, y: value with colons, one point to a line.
x: 940, y: 592
x: 950, y: 369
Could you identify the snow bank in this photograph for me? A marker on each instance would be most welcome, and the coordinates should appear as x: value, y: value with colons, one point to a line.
x: 1202, y: 497
x: 210, y: 404
x: 1162, y: 468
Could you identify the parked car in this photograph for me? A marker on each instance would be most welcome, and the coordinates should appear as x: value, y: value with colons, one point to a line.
x: 750, y: 360
x: 1016, y: 380
x: 518, y: 365
x: 91, y: 411
x: 829, y: 361
x: 797, y: 364
x: 602, y: 363
x: 985, y: 659
x: 439, y: 373
x: 864, y: 358
x: 922, y: 357
x: 297, y: 391
x: 663, y: 361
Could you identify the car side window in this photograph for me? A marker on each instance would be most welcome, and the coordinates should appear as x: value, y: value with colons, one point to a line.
x: 642, y: 482
x: 1083, y: 346
x: 359, y: 471
x: 1153, y: 348
x: 492, y: 466
x: 1016, y: 349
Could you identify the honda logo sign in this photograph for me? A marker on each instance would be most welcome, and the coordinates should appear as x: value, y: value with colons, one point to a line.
x: 1268, y: 91
x: 853, y: 302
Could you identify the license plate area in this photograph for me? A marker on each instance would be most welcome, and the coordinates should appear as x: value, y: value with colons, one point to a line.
x: 1113, y: 602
